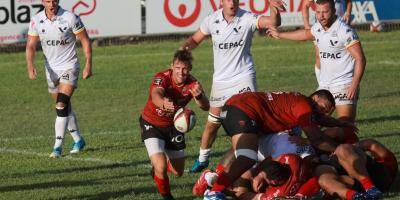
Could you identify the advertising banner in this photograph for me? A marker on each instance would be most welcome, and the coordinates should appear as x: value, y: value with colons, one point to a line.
x: 102, y: 18
x: 173, y: 16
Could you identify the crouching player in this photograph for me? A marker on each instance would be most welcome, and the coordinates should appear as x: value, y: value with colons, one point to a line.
x: 170, y: 90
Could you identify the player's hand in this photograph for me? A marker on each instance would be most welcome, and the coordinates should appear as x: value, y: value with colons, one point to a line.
x: 87, y: 72
x: 168, y: 105
x: 351, y: 91
x: 196, y: 90
x: 32, y: 72
x: 346, y: 18
x: 278, y: 4
x: 273, y: 32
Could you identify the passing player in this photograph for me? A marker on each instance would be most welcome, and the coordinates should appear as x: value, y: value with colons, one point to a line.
x: 170, y: 90
x: 57, y: 29
x: 231, y: 30
x: 248, y: 114
x: 342, y: 59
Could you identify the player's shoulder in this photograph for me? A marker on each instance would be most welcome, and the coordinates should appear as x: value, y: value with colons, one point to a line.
x: 164, y: 74
x: 39, y: 16
x: 68, y: 15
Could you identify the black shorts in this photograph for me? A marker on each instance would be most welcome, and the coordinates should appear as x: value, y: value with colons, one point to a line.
x: 174, y: 140
x: 237, y: 121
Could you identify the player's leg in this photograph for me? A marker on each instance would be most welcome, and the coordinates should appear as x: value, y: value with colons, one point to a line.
x: 207, y: 139
x: 176, y: 162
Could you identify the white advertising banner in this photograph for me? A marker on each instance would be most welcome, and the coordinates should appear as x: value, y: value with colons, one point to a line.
x: 168, y: 16
x: 102, y: 18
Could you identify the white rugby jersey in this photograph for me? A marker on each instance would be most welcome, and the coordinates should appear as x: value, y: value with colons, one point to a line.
x: 231, y: 44
x: 57, y: 38
x: 337, y: 64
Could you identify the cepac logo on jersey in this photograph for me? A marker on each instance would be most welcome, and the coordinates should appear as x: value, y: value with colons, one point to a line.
x: 82, y: 8
x: 18, y: 13
x: 184, y: 19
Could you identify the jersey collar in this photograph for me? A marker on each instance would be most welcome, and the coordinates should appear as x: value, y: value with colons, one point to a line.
x: 333, y: 26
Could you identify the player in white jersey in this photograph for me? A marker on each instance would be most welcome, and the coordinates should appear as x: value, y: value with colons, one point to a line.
x: 57, y: 29
x: 231, y: 30
x: 343, y: 9
x: 342, y: 60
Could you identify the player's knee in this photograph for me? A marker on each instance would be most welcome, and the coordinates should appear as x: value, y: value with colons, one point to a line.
x: 344, y: 151
x: 214, y: 119
x: 323, y: 180
x: 62, y: 105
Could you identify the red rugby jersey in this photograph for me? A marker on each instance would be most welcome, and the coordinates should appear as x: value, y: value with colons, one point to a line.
x: 180, y: 95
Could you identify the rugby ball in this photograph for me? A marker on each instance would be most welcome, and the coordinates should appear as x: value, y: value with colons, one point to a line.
x: 376, y: 26
x: 184, y: 120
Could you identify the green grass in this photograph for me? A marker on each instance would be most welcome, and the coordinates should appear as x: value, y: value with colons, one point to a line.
x: 115, y: 164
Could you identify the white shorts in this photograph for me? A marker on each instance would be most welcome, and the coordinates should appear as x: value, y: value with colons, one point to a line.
x: 55, y: 77
x: 274, y: 145
x: 340, y: 94
x: 221, y: 92
x: 156, y: 145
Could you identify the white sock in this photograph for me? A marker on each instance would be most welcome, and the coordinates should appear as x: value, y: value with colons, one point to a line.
x: 204, y: 154
x: 317, y: 73
x: 211, y: 177
x: 73, y: 126
x: 60, y: 127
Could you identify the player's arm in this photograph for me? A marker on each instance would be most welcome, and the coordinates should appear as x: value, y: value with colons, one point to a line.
x: 305, y: 11
x: 357, y: 53
x: 30, y: 52
x: 199, y: 97
x: 318, y: 139
x: 274, y: 20
x: 87, y: 49
x: 193, y: 41
x: 159, y: 99
x: 347, y: 14
x: 373, y: 146
x: 298, y: 35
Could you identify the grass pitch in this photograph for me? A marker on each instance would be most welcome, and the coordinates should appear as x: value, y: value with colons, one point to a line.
x: 115, y: 164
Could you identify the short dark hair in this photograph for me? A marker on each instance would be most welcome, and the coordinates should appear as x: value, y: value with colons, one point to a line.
x: 331, y: 3
x: 276, y: 170
x: 325, y: 94
x: 184, y: 56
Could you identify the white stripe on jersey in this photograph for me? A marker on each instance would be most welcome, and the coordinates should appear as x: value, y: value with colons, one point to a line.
x: 231, y: 44
x: 337, y: 64
x: 57, y: 38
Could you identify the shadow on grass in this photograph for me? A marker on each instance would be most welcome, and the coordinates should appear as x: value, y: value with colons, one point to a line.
x: 382, y: 135
x: 386, y: 94
x: 54, y: 184
x: 379, y: 119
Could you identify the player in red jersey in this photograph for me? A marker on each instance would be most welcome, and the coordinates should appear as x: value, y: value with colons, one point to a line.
x: 170, y: 90
x: 360, y: 172
x: 248, y: 114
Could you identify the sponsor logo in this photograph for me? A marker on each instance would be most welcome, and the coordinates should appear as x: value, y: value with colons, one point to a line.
x: 341, y: 96
x: 245, y: 90
x: 18, y: 14
x: 182, y: 21
x: 65, y: 76
x: 230, y: 45
x: 157, y: 81
x: 56, y: 42
x: 328, y: 55
x: 364, y: 11
x: 178, y: 139
x: 333, y: 43
x: 148, y: 127
x: 82, y: 8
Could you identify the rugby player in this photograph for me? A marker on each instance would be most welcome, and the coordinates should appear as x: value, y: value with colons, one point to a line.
x: 57, y: 29
x: 231, y: 30
x: 170, y: 90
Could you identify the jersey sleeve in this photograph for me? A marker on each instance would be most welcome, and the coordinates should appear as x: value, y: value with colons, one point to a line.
x: 304, y: 114
x: 349, y: 37
x: 160, y: 81
x: 253, y: 19
x: 32, y: 31
x: 77, y: 25
x: 205, y: 26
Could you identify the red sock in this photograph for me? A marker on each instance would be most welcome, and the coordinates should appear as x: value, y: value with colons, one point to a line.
x: 350, y: 194
x: 367, y: 183
x: 162, y: 185
x: 169, y: 167
x: 220, y: 169
x: 222, y: 182
x: 309, y: 188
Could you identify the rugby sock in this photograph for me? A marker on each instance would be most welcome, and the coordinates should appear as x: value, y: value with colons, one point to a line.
x: 223, y: 181
x: 367, y: 183
x: 309, y: 188
x: 220, y: 169
x: 169, y: 166
x: 204, y: 154
x: 162, y: 186
x: 350, y: 194
x: 73, y: 126
x: 60, y: 127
